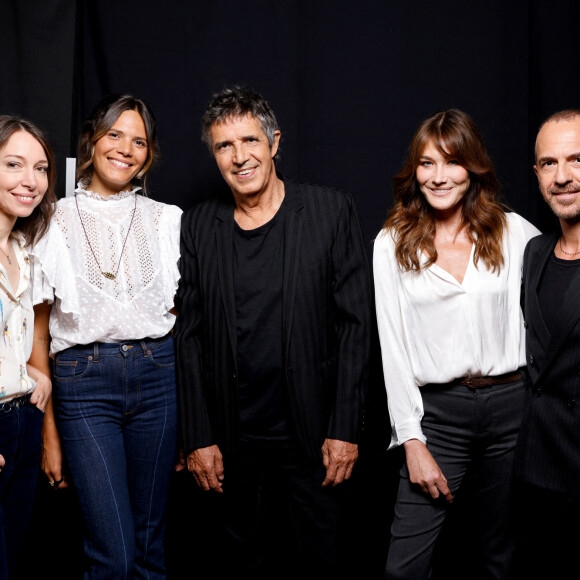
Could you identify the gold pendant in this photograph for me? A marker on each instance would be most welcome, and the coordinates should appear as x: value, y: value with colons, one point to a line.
x: 108, y: 275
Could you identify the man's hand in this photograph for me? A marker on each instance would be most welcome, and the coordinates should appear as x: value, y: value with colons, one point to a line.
x: 424, y: 471
x: 338, y: 457
x: 207, y: 466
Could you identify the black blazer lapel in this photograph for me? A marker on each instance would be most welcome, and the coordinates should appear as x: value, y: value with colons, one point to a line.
x: 225, y: 255
x: 538, y: 257
x: 294, y: 201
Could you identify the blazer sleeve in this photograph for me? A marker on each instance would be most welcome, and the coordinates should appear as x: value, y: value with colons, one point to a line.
x: 194, y: 419
x: 351, y: 292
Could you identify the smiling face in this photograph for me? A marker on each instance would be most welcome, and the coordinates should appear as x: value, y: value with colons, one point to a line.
x: 243, y: 155
x: 558, y: 167
x: 23, y: 176
x: 119, y: 154
x: 441, y: 179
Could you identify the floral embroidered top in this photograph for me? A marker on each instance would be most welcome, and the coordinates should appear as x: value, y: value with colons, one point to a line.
x: 17, y: 326
x: 91, y: 236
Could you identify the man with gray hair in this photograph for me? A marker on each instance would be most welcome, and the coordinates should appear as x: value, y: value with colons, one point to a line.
x: 547, y: 460
x: 272, y: 337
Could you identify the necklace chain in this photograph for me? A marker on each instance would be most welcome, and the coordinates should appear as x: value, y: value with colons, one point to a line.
x: 109, y: 275
x: 567, y: 253
x: 7, y: 254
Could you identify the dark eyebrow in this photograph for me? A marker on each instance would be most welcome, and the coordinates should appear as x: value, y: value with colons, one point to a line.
x: 545, y: 158
x: 16, y: 156
x: 221, y: 144
x: 123, y: 133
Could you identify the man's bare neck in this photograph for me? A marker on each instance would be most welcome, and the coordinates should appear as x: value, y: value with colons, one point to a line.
x: 254, y: 211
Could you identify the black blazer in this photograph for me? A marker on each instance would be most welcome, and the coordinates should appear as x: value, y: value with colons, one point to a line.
x: 326, y: 320
x: 548, y: 451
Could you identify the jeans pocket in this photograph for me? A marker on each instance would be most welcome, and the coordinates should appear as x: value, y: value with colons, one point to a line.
x: 69, y: 366
x: 163, y: 356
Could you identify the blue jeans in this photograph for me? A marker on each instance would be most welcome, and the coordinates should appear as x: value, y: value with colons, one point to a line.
x: 20, y: 445
x: 115, y: 406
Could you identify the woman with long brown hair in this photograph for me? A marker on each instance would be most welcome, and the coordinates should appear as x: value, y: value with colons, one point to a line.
x: 447, y: 268
x: 105, y: 279
x: 27, y: 199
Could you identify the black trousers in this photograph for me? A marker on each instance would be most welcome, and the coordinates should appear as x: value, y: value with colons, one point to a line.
x: 469, y: 431
x: 277, y: 519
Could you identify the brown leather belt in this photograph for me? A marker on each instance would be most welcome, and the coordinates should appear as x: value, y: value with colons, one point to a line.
x: 476, y: 382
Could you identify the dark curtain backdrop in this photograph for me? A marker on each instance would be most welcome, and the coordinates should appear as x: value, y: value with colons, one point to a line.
x: 349, y: 82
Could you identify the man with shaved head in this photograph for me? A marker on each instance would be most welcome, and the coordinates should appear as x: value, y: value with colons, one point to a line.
x: 548, y: 454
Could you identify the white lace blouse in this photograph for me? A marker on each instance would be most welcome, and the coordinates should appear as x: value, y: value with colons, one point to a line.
x: 433, y: 329
x: 68, y: 266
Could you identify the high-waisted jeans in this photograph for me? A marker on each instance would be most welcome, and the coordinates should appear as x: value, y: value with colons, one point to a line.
x: 115, y: 407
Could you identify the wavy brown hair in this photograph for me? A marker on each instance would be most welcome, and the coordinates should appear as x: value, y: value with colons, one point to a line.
x: 411, y: 221
x: 36, y: 224
x: 101, y: 119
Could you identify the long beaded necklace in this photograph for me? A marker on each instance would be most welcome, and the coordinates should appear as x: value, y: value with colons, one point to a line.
x: 108, y: 275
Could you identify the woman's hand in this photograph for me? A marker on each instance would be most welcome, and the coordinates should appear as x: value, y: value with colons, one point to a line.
x: 181, y: 463
x: 41, y: 393
x: 51, y: 455
x: 424, y: 471
x: 2, y: 462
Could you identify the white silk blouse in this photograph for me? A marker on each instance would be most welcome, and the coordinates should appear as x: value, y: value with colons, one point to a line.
x: 142, y: 251
x: 433, y: 329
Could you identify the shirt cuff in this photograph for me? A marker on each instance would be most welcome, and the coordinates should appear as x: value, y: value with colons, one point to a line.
x: 409, y: 430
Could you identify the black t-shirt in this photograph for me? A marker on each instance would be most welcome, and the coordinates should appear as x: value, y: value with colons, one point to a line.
x: 555, y: 281
x: 258, y: 275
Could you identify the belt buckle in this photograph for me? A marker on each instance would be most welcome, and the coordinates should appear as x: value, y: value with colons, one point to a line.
x: 12, y: 404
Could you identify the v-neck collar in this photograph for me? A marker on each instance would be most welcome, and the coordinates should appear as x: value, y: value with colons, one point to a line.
x: 21, y: 257
x: 445, y: 275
